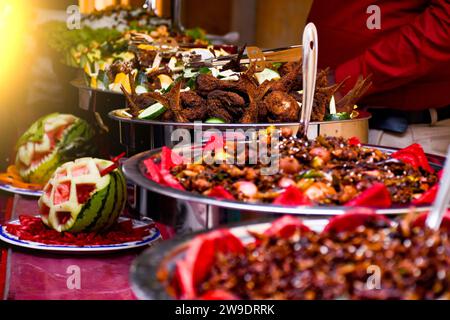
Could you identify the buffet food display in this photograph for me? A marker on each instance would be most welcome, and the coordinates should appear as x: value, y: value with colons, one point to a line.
x: 327, y: 171
x: 166, y: 77
x: 287, y: 260
x: 236, y: 93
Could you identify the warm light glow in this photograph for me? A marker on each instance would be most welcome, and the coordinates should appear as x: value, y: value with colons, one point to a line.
x: 88, y: 6
x: 12, y: 35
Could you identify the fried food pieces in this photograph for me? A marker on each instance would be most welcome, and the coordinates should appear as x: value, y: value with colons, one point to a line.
x: 245, y: 100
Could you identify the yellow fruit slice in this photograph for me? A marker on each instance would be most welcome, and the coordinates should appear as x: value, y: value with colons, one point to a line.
x: 165, y: 80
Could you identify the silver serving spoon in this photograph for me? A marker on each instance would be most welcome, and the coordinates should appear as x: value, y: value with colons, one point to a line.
x: 176, y: 16
x: 309, y: 62
x: 440, y: 204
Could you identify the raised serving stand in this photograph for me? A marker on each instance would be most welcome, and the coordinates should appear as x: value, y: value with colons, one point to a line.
x: 189, y: 212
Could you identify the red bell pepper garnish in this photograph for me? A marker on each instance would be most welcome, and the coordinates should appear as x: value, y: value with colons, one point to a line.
x: 170, y: 159
x: 153, y: 170
x: 414, y: 151
x: 428, y: 196
x: 200, y: 256
x: 285, y: 227
x: 354, y: 141
x: 420, y: 221
x: 352, y: 220
x: 292, y: 196
x: 375, y: 196
x: 218, y: 295
x: 220, y: 192
x: 169, y: 180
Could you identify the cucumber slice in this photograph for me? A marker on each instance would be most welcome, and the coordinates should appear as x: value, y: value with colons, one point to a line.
x: 214, y: 120
x: 338, y: 116
x: 152, y: 112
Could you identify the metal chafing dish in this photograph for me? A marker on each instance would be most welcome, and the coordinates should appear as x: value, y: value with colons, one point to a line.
x: 189, y: 212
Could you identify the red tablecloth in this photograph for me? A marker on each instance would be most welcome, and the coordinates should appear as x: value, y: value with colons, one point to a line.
x: 37, y: 275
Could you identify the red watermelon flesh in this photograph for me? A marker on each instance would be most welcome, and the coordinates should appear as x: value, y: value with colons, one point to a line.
x: 62, y: 193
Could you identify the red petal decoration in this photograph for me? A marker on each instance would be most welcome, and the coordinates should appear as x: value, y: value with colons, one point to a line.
x: 285, y: 227
x: 218, y: 295
x: 428, y: 196
x: 184, y: 281
x: 170, y: 159
x: 352, y: 220
x: 417, y: 151
x: 220, y: 192
x: 200, y: 257
x: 292, y: 196
x: 375, y: 196
x: 354, y: 141
x: 169, y: 180
x: 407, y: 157
x: 153, y: 171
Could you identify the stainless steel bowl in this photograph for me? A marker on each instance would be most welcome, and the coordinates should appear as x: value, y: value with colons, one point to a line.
x: 158, y: 133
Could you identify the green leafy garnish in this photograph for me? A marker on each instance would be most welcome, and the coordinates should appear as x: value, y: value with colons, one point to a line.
x: 196, y: 34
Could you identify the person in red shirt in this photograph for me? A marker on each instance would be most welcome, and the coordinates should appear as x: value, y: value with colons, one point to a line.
x: 405, y: 47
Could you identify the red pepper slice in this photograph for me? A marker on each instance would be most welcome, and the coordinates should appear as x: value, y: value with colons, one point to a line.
x: 169, y: 159
x: 352, y: 220
x: 375, y: 196
x: 428, y: 196
x: 169, y: 180
x: 200, y: 257
x: 416, y: 150
x: 285, y: 227
x: 292, y: 196
x: 218, y: 295
x: 153, y: 171
x: 220, y: 192
x: 420, y: 221
x: 354, y: 141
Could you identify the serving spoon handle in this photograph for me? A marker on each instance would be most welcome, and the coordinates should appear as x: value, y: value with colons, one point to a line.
x: 309, y: 68
x: 440, y: 204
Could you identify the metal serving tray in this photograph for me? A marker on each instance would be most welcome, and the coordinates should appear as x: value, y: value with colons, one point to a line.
x: 144, y: 270
x: 198, y: 211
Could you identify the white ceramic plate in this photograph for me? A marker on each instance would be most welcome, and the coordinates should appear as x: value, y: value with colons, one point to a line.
x: 154, y: 236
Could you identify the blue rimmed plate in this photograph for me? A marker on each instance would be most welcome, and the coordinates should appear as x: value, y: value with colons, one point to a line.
x: 24, y: 192
x: 153, y: 237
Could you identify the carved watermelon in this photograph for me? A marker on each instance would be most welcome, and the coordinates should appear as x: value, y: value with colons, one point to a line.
x: 49, y: 142
x: 78, y: 199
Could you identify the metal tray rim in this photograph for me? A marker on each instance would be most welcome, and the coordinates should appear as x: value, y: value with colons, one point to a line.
x: 364, y: 116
